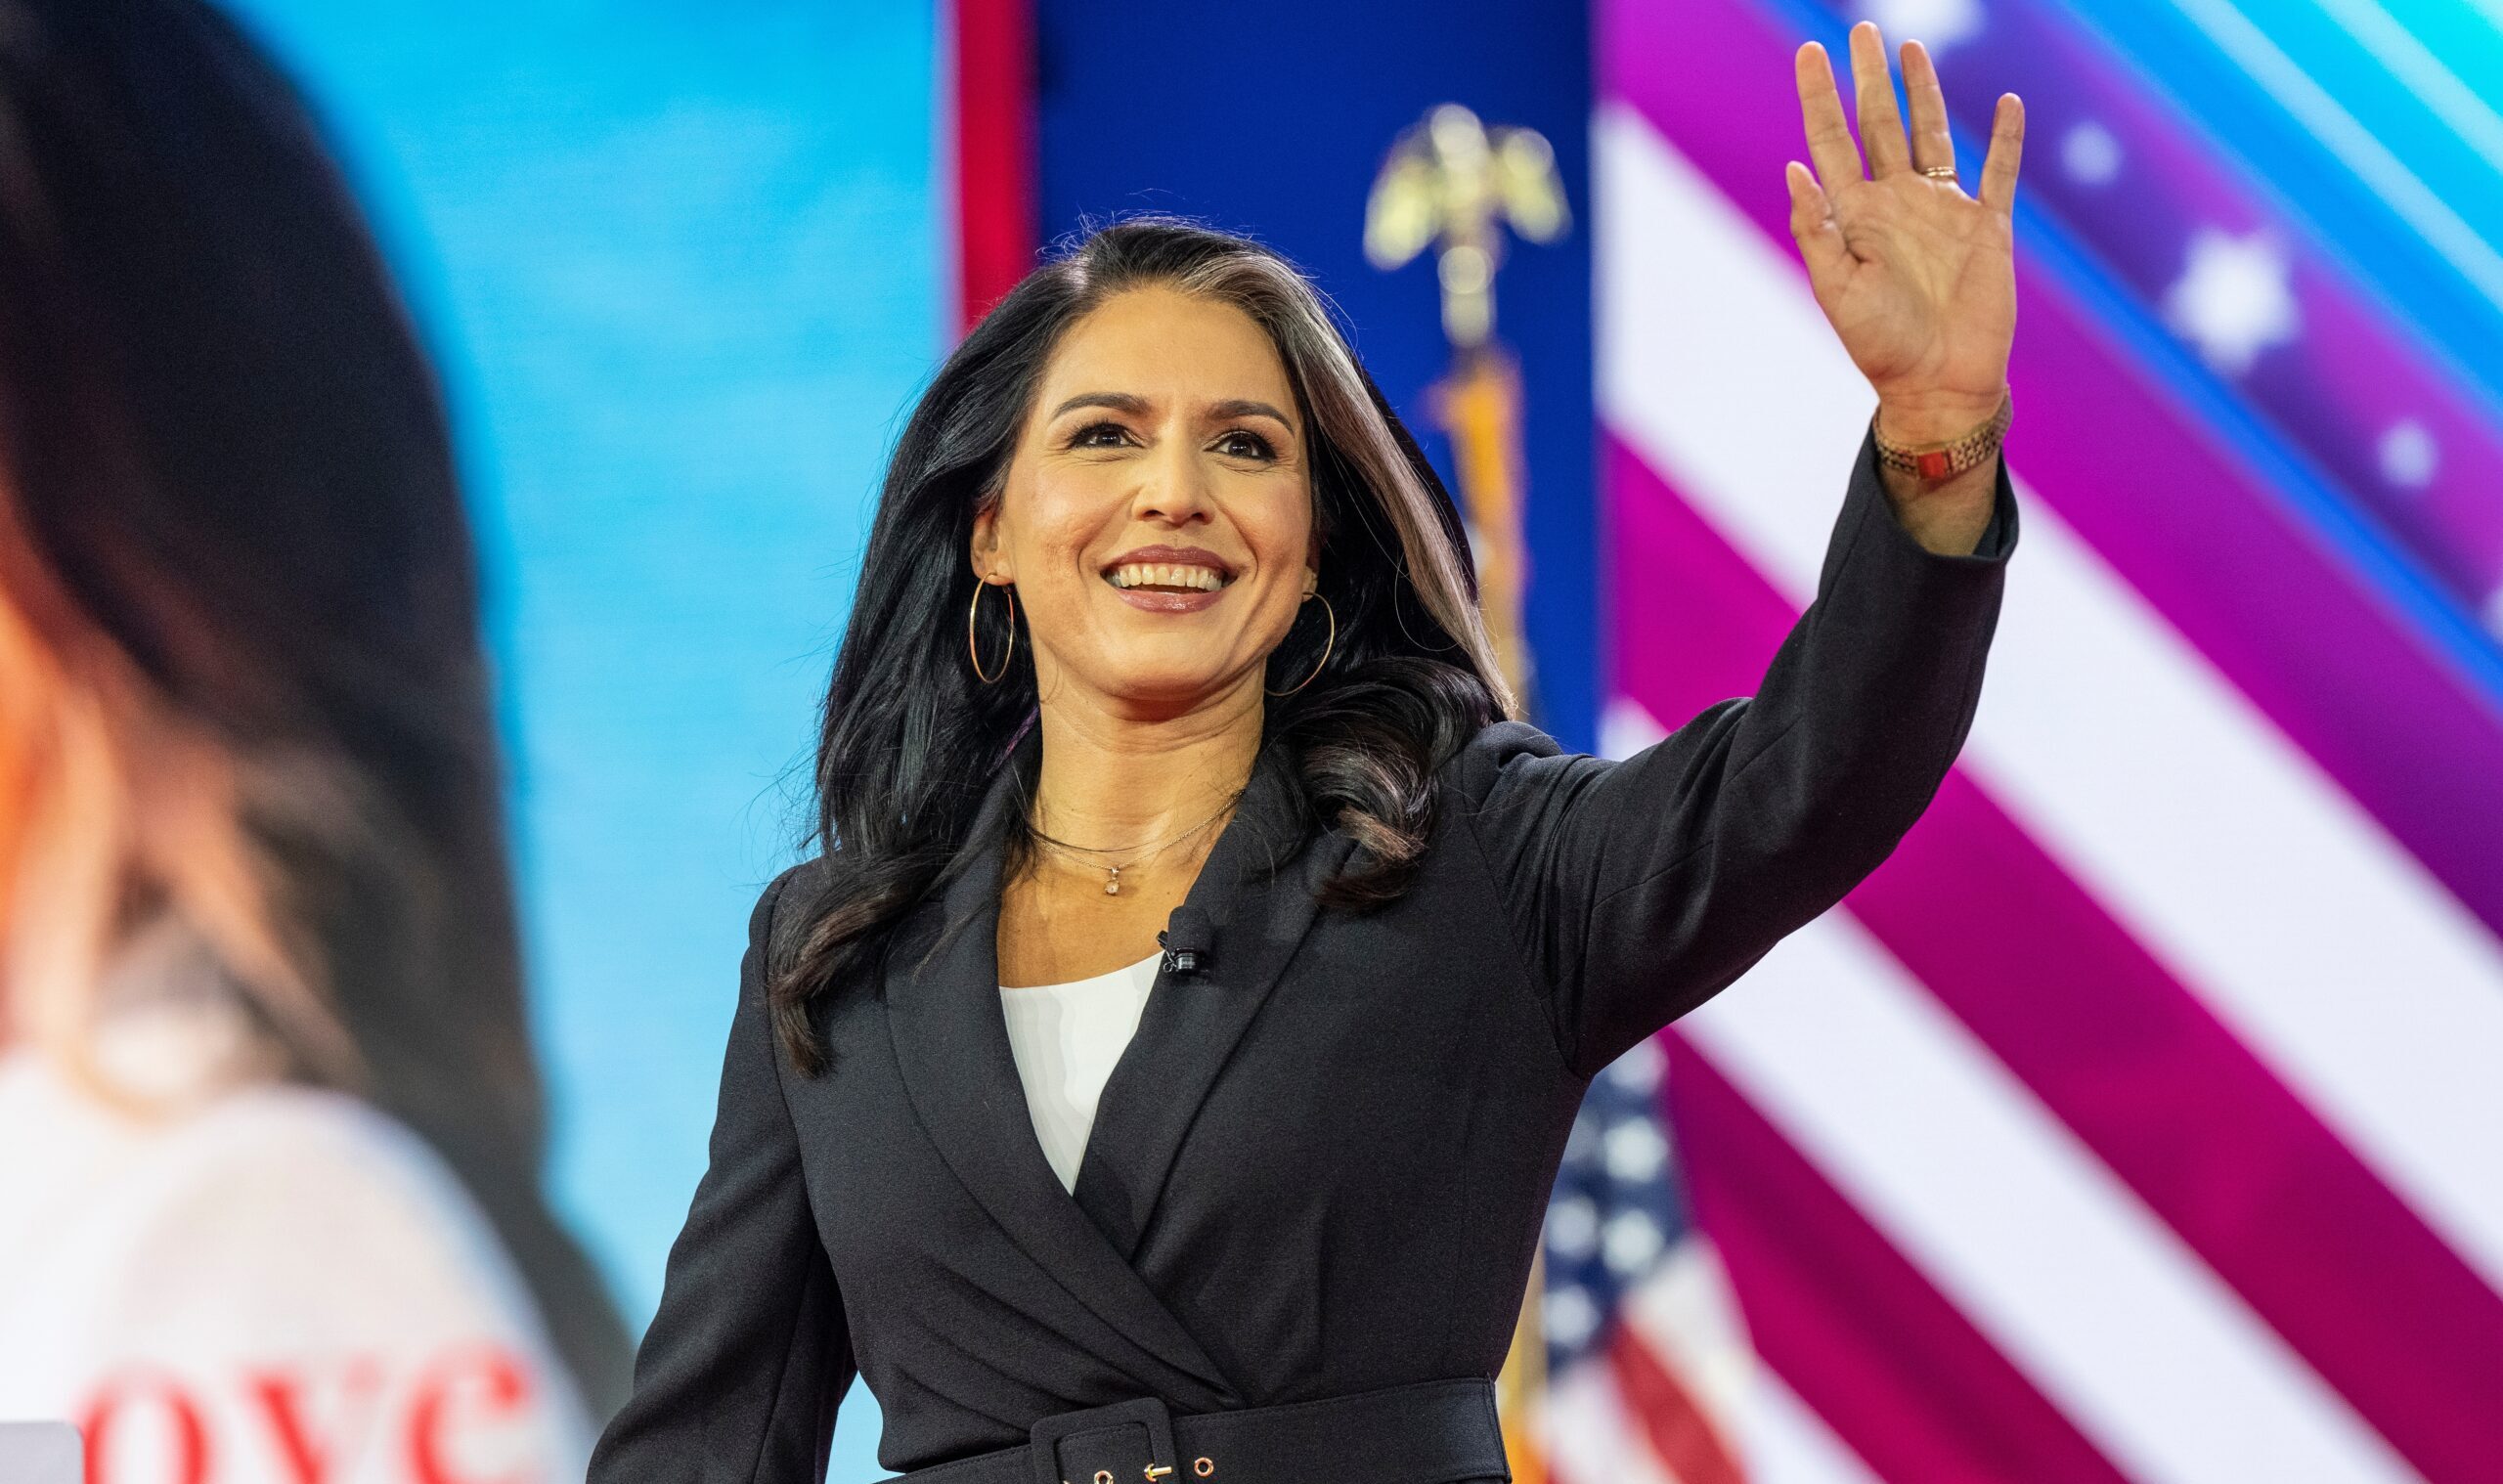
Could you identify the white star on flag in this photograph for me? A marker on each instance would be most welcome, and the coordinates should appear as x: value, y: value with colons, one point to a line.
x: 2408, y: 454
x: 2090, y: 153
x: 2233, y: 300
x: 1935, y: 23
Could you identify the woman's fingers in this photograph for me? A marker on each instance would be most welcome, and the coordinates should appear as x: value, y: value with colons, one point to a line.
x: 1829, y: 143
x: 1933, y: 143
x: 2008, y: 150
x: 1881, y: 127
x: 1812, y: 223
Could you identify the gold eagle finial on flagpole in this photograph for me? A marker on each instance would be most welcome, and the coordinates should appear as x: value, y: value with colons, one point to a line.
x: 1453, y: 184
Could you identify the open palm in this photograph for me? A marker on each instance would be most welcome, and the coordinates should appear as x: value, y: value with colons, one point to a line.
x: 1918, y: 278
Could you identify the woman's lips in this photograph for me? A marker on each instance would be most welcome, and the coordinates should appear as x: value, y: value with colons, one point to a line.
x: 1168, y: 578
x: 1168, y: 599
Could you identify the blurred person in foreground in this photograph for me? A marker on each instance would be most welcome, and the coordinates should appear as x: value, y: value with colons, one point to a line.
x: 270, y: 1126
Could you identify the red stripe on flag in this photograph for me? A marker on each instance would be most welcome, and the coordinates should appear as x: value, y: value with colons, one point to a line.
x: 1893, y: 1367
x: 994, y: 56
x: 2130, y: 1060
x: 1674, y: 1426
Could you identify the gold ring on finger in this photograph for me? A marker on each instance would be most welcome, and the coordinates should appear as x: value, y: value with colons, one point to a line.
x: 1940, y: 172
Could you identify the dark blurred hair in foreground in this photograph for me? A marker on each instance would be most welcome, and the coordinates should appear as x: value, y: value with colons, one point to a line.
x: 238, y: 610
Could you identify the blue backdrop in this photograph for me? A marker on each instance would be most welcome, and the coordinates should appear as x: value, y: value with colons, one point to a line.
x: 679, y: 266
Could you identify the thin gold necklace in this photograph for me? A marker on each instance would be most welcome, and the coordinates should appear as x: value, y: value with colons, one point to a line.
x: 1112, y: 872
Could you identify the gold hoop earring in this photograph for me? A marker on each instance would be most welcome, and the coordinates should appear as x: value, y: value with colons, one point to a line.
x: 1326, y: 646
x: 973, y: 652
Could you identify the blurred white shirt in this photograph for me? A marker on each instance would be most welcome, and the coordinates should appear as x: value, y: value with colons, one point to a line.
x: 284, y: 1287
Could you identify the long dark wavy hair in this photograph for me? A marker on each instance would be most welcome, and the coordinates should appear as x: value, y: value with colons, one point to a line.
x: 911, y: 740
x: 246, y: 700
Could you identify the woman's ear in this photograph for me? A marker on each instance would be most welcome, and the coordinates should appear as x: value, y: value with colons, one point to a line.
x: 985, y: 546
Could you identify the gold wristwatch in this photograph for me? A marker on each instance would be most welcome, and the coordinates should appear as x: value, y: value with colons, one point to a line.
x: 1935, y: 461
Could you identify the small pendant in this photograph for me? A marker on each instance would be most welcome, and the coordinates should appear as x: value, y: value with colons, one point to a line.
x: 1113, y: 888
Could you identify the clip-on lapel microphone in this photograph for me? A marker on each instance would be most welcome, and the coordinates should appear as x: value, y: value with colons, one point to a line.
x: 1185, y: 942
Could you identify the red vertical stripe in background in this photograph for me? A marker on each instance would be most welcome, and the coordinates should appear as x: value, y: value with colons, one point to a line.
x: 1680, y: 1432
x: 993, y: 53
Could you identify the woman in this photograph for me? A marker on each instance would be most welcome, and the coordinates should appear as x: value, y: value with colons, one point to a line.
x: 269, y: 1125
x: 1260, y: 1208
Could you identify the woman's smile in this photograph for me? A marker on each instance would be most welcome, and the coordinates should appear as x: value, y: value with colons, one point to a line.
x: 1168, y: 578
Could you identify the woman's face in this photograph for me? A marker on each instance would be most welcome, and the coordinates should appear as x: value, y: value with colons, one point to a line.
x: 1157, y: 519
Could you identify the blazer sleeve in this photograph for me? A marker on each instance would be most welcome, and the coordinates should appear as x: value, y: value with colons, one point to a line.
x: 1638, y: 889
x: 749, y: 1355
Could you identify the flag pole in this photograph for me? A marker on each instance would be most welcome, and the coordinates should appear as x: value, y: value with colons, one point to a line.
x: 1453, y: 185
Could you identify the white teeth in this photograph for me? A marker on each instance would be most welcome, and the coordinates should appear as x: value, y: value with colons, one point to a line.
x: 1167, y: 575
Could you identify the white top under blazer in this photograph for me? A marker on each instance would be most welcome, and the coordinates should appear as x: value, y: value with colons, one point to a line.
x: 1067, y: 1038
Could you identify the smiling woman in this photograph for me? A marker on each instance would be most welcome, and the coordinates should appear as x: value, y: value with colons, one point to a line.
x: 1164, y: 407
x: 1261, y: 1206
x: 1165, y: 537
x: 1183, y: 498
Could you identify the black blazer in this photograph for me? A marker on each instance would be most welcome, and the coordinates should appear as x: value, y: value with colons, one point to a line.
x: 1320, y: 1165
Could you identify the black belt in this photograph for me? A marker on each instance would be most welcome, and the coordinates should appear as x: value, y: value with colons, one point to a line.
x: 1436, y: 1432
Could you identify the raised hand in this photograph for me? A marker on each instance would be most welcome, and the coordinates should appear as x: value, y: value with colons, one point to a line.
x: 1918, y: 278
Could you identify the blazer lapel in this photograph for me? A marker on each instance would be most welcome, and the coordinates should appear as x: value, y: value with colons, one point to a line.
x: 951, y: 1045
x: 1257, y: 889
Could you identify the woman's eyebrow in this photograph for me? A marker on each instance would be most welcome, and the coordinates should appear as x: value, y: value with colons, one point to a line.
x: 1137, y: 407
x: 1119, y: 402
x: 1240, y: 407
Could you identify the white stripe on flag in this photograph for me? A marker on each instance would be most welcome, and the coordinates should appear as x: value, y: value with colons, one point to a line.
x: 2324, y: 944
x: 1586, y: 1435
x: 2049, y: 1255
x: 1786, y: 1442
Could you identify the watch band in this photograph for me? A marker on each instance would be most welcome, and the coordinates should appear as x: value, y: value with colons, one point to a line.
x: 1945, y: 460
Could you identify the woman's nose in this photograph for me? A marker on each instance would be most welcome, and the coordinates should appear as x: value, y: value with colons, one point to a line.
x: 1173, y: 488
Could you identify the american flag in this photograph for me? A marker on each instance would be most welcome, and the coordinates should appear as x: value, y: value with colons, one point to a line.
x: 1646, y: 1360
x: 2141, y: 1119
